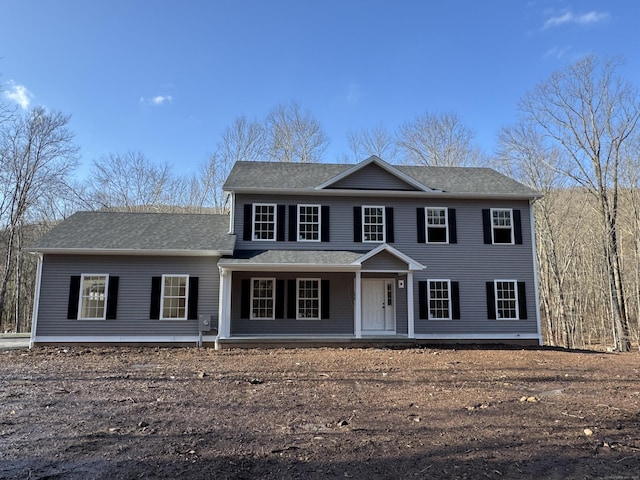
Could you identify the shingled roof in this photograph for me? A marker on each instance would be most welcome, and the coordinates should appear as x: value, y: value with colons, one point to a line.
x: 307, y: 177
x: 139, y: 233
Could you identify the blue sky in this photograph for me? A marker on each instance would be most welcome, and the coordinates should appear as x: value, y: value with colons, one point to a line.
x: 167, y: 77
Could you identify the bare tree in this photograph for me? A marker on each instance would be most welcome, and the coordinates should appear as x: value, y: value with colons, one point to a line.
x: 375, y: 141
x: 37, y: 156
x: 590, y: 113
x: 438, y: 139
x: 294, y: 135
x: 130, y: 182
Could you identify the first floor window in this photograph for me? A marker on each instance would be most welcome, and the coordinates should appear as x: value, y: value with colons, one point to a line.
x: 262, y: 298
x: 373, y: 224
x: 93, y: 296
x: 174, y: 297
x: 437, y: 225
x: 506, y: 299
x: 308, y: 300
x: 264, y: 222
x: 309, y: 223
x: 439, y: 300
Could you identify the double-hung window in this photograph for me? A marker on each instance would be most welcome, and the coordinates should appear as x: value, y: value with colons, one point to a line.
x: 439, y: 299
x: 308, y: 299
x: 93, y: 297
x: 309, y: 223
x: 373, y: 224
x: 506, y: 299
x: 174, y: 297
x: 264, y: 221
x: 437, y: 225
x: 262, y: 298
x: 502, y: 225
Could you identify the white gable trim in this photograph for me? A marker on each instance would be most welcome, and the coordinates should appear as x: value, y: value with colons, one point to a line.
x: 382, y: 164
x: 412, y: 265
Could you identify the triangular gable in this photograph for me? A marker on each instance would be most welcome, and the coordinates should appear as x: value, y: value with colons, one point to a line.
x: 386, y: 250
x: 374, y: 174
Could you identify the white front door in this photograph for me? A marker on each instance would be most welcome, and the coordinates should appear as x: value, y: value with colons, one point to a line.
x: 378, y: 305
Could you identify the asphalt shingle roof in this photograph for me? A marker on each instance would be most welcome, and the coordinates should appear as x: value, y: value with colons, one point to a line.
x: 293, y: 257
x: 179, y: 233
x: 307, y: 176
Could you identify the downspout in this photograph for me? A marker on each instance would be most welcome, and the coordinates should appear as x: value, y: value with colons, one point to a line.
x: 36, y: 301
x: 534, y: 252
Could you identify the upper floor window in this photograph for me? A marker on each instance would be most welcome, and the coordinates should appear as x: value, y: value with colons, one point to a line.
x: 174, y: 297
x: 309, y: 223
x: 437, y: 225
x: 264, y: 221
x: 93, y: 297
x: 502, y: 225
x: 373, y: 224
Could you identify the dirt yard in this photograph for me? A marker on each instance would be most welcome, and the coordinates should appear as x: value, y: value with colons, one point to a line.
x: 115, y: 413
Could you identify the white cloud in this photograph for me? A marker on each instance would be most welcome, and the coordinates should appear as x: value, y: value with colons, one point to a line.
x: 580, y: 19
x: 157, y: 101
x: 18, y: 94
x: 557, y: 52
x: 354, y: 93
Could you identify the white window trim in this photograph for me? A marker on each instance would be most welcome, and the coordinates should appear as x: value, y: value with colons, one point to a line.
x: 446, y: 223
x: 186, y: 299
x: 275, y: 222
x: 495, y: 297
x: 106, y: 295
x: 493, y: 227
x: 273, y: 304
x: 448, y: 281
x: 319, y: 222
x: 384, y: 224
x: 298, y: 317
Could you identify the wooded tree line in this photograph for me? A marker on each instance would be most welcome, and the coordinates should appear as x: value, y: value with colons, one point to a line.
x: 576, y: 140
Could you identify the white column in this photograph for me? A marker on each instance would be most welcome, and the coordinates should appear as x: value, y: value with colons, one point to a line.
x: 224, y: 304
x: 410, y: 311
x: 357, y: 310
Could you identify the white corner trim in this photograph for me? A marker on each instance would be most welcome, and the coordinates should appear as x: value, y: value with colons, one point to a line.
x: 36, y: 301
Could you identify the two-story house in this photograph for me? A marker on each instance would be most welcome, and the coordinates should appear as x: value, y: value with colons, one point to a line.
x: 321, y: 253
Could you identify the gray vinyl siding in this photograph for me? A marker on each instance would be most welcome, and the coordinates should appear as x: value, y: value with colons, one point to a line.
x: 134, y: 294
x: 469, y: 261
x: 340, y: 321
x: 384, y: 261
x: 371, y: 177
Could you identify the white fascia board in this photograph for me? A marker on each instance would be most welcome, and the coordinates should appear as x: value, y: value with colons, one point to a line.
x: 386, y: 193
x: 288, y: 267
x: 129, y: 252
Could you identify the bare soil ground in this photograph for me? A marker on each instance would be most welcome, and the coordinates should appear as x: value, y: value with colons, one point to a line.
x: 119, y: 413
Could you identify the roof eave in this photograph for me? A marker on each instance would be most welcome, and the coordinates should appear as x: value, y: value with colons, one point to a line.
x: 289, y: 267
x: 131, y: 252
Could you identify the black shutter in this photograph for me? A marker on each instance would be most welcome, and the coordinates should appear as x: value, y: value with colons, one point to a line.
x: 281, y: 225
x: 112, y: 298
x: 517, y: 227
x: 423, y: 299
x: 324, y: 223
x: 357, y: 224
x: 522, y: 301
x: 156, y: 289
x: 453, y: 228
x: 74, y: 297
x: 491, y: 301
x: 420, y: 222
x: 455, y: 300
x: 293, y: 223
x: 245, y: 298
x: 192, y: 307
x: 325, y: 301
x: 486, y: 225
x: 291, y: 299
x: 248, y: 222
x: 279, y: 311
x: 390, y: 238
